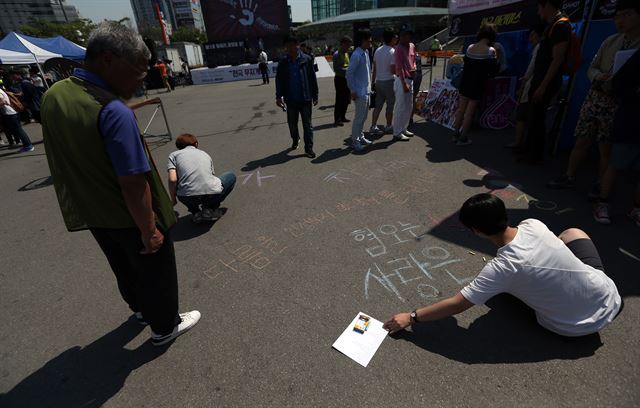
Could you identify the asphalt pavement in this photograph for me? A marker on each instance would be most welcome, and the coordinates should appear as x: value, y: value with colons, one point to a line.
x: 304, y: 246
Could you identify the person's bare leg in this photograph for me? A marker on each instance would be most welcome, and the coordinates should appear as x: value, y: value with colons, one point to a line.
x: 578, y: 154
x: 468, y: 117
x: 375, y: 115
x: 572, y: 234
x: 521, y: 128
x: 605, y: 156
x: 457, y: 123
x: 389, y: 116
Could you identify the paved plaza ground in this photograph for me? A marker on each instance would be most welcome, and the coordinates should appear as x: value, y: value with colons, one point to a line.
x: 279, y: 277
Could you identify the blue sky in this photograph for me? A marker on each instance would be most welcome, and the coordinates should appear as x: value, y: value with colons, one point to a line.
x: 98, y: 10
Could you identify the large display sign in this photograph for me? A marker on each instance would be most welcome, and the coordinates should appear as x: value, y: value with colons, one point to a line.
x: 518, y: 16
x: 605, y: 10
x: 470, y: 6
x: 244, y: 19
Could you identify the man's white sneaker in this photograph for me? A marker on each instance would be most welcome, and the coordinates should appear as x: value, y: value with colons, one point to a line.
x: 401, y: 138
x: 408, y: 134
x: 189, y: 320
x: 365, y: 141
x: 375, y: 130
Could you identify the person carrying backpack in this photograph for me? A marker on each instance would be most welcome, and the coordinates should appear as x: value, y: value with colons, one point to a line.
x: 546, y: 82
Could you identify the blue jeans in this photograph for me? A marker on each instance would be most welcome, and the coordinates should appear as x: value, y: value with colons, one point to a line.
x: 304, y: 110
x: 362, y: 110
x: 14, y: 129
x: 211, y: 201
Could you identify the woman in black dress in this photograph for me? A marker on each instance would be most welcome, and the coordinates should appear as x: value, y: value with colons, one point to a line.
x: 480, y: 64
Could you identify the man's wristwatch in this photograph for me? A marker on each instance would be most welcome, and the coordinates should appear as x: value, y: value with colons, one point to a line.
x: 414, y: 317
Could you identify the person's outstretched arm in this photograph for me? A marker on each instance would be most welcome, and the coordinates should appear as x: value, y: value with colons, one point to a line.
x: 445, y: 308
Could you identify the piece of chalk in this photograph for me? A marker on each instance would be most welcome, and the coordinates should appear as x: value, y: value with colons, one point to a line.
x: 472, y: 253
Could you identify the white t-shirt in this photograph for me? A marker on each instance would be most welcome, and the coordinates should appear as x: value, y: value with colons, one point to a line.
x: 569, y: 297
x: 383, y: 59
x: 6, y: 108
x: 263, y: 57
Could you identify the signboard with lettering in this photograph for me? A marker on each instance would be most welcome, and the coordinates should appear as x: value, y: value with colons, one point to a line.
x: 512, y: 17
x: 203, y: 76
x: 470, y: 6
x: 605, y: 10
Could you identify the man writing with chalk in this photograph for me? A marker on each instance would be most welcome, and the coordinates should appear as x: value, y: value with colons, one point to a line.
x: 560, y: 277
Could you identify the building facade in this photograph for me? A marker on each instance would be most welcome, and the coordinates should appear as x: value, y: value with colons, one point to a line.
x: 144, y: 12
x: 321, y: 9
x: 188, y: 14
x: 16, y: 13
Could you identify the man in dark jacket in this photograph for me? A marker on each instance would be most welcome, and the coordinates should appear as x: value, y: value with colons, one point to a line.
x: 625, y: 153
x: 296, y: 89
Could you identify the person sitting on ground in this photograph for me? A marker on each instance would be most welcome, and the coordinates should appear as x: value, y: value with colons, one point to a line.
x: 192, y: 180
x: 480, y: 64
x: 562, y: 278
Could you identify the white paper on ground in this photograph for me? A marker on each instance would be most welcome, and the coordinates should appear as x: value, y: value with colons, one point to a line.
x: 621, y: 58
x: 360, y: 347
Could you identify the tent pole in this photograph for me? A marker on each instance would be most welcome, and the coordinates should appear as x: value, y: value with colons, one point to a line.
x: 46, y: 85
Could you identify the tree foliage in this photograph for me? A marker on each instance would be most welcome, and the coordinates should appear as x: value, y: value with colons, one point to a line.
x: 188, y: 34
x: 76, y: 31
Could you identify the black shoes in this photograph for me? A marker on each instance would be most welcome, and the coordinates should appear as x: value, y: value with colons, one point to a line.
x: 310, y: 154
x: 295, y: 144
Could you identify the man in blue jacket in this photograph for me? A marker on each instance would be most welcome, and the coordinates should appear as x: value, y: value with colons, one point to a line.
x: 359, y: 81
x: 296, y: 89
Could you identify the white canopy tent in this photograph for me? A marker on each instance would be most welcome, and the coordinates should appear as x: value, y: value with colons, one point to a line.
x: 8, y: 57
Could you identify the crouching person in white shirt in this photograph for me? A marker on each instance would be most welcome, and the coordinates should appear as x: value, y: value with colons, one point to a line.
x: 560, y: 277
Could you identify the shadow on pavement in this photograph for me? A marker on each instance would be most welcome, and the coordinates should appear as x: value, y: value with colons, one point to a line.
x: 507, y: 334
x: 37, y: 184
x: 272, y: 160
x: 185, y: 229
x: 84, y: 376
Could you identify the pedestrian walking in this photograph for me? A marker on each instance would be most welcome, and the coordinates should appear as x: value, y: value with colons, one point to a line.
x: 264, y: 68
x: 340, y: 66
x: 405, y: 64
x: 12, y: 124
x: 296, y: 90
x: 164, y: 75
x: 383, y: 78
x: 435, y: 47
x: 359, y: 81
x: 107, y: 182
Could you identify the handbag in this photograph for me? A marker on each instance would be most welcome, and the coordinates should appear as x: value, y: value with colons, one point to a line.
x: 15, y: 103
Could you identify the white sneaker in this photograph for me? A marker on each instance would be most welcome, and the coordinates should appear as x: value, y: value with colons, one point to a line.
x: 365, y: 141
x: 357, y: 146
x: 408, y: 134
x: 189, y: 320
x: 375, y: 130
x: 401, y: 138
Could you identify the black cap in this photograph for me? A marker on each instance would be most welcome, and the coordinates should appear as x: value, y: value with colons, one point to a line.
x: 405, y: 28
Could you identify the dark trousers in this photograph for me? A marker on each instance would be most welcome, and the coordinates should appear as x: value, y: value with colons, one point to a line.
x: 148, y: 283
x: 434, y: 61
x: 211, y: 201
x: 343, y: 98
x: 264, y: 70
x: 302, y: 109
x: 537, y: 134
x: 15, y: 132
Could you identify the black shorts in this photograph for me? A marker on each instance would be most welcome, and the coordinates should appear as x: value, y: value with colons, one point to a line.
x: 586, y: 251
